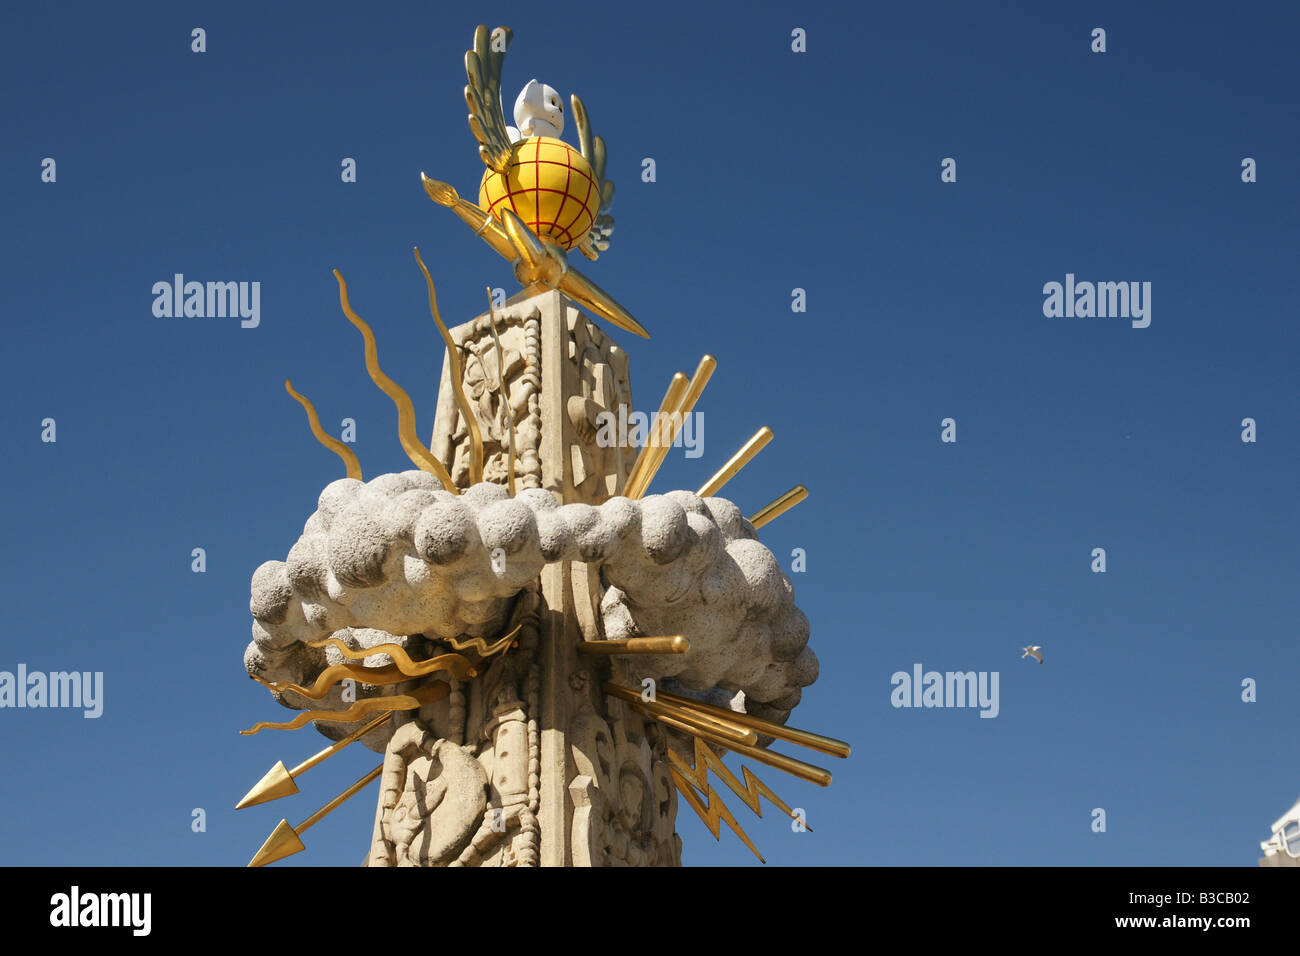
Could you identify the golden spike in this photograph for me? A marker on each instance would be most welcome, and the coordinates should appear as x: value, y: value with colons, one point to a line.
x: 457, y: 381
x: 394, y: 673
x: 329, y: 441
x: 738, y: 461
x: 505, y: 395
x: 419, y: 455
x: 412, y: 701
x: 708, y: 814
x: 804, y: 738
x: 286, y: 840
x: 703, y: 372
x: 749, y: 791
x: 732, y: 733
x: 779, y: 507
x: 279, y: 782
x: 676, y: 389
x: 637, y: 645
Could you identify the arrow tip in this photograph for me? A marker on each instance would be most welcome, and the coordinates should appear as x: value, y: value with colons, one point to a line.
x: 276, y: 784
x: 282, y: 842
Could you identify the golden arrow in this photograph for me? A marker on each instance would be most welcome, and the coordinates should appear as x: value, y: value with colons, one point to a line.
x: 279, y: 782
x: 286, y: 840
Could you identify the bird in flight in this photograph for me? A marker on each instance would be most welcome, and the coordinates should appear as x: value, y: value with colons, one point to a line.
x: 1034, y: 651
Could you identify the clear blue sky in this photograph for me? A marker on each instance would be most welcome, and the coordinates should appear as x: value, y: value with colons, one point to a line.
x: 776, y: 170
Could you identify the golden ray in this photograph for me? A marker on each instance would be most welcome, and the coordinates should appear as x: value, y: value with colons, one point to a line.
x: 676, y: 389
x: 378, y: 676
x: 286, y: 840
x: 419, y: 455
x: 412, y: 701
x: 796, y: 768
x: 749, y: 791
x: 804, y: 738
x: 329, y: 441
x: 737, y: 461
x: 681, y: 718
x: 505, y: 395
x: 703, y: 372
x: 457, y: 383
x: 708, y: 814
x: 279, y: 782
x: 675, y: 644
x: 779, y: 507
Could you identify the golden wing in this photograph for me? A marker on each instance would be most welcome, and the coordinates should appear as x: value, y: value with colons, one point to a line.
x: 593, y: 151
x: 487, y: 118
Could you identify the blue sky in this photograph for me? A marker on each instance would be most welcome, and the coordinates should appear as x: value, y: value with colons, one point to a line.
x: 775, y: 170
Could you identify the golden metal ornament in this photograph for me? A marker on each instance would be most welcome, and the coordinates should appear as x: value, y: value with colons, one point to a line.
x: 675, y: 421
x: 708, y: 813
x: 779, y: 507
x: 676, y: 389
x: 329, y: 441
x: 419, y: 455
x: 286, y: 840
x: 411, y: 701
x: 804, y: 738
x: 279, y: 782
x: 737, y: 461
x: 675, y: 644
x: 689, y: 721
x: 536, y: 262
x: 393, y: 673
x: 457, y: 383
x: 749, y: 791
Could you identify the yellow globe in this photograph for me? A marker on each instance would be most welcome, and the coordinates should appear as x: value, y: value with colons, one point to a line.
x: 549, y: 186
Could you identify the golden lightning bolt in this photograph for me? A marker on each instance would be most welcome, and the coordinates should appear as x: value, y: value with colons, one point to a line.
x: 708, y: 813
x: 749, y: 791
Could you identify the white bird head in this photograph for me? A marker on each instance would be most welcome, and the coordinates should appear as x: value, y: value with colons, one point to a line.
x: 539, y: 111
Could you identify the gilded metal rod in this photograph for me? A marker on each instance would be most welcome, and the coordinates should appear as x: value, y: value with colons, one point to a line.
x: 804, y: 738
x: 693, y: 724
x: 338, y: 801
x: 704, y: 722
x: 676, y: 421
x: 796, y: 768
x: 335, y: 748
x: 676, y: 389
x: 457, y: 380
x: 738, y: 461
x: 779, y: 507
x: 637, y: 645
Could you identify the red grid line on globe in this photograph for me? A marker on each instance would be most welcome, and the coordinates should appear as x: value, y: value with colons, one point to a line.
x: 540, y: 227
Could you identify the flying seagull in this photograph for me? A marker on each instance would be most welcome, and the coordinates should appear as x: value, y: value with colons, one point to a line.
x: 1034, y: 651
